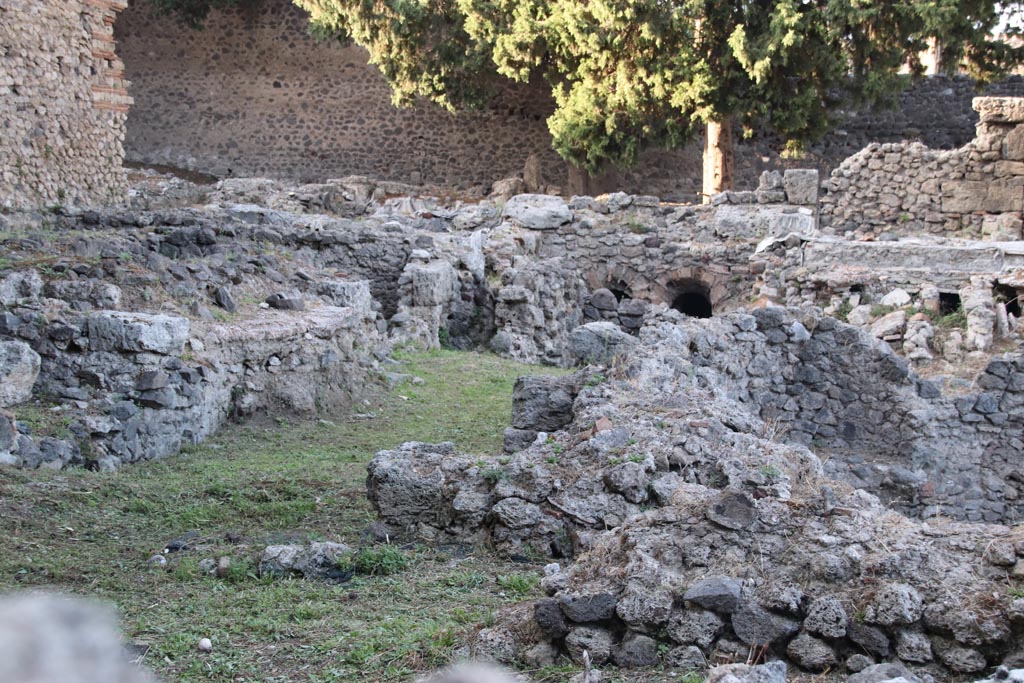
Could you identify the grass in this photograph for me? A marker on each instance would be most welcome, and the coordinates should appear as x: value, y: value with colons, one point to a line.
x: 950, y: 321
x: 406, y: 610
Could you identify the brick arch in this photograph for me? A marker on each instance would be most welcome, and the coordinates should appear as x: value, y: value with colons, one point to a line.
x: 607, y: 275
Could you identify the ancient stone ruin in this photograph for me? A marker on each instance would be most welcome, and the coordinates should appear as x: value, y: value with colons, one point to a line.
x: 794, y: 428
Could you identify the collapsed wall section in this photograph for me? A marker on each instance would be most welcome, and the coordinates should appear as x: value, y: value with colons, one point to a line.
x: 906, y: 188
x: 63, y: 96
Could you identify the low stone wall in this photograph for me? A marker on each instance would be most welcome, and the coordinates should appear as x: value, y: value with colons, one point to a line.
x: 137, y: 386
x: 906, y: 188
x: 63, y: 96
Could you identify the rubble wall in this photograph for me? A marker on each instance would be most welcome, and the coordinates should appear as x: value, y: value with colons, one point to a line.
x: 848, y: 396
x: 63, y: 97
x: 974, y: 191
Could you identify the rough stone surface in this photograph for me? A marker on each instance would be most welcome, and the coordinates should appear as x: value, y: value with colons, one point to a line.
x: 19, y: 368
x: 317, y: 560
x: 537, y: 212
x: 756, y: 626
x: 811, y: 653
x: 599, y: 342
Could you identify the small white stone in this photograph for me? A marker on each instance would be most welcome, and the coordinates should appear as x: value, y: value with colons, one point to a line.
x: 897, y: 298
x: 158, y: 561
x: 205, y: 645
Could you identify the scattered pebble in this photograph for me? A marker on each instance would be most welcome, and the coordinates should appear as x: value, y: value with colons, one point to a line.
x: 158, y: 561
x: 205, y: 645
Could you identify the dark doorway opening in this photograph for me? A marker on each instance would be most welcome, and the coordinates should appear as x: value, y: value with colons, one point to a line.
x: 692, y: 298
x: 949, y: 302
x: 1009, y: 296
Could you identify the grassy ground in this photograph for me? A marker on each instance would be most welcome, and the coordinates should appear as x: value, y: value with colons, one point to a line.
x: 91, y: 534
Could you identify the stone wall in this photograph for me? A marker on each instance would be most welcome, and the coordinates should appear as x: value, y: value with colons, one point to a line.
x: 906, y: 188
x: 253, y: 94
x: 64, y: 101
x: 874, y: 423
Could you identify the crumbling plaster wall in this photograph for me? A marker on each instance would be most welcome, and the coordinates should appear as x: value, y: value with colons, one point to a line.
x: 64, y: 101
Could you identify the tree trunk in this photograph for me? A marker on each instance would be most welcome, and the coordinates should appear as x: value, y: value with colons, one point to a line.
x: 717, y: 158
x: 585, y: 184
x: 933, y: 57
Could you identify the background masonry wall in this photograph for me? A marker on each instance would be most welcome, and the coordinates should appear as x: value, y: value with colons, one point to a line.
x: 254, y: 94
x: 64, y: 102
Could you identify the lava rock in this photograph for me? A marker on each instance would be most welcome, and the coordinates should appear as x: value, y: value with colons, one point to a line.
x: 587, y: 608
x: 697, y: 627
x: 755, y: 625
x: 550, y: 618
x: 810, y: 653
x: 733, y: 510
x: 222, y: 297
x: 879, y: 673
x: 636, y: 651
x: 286, y: 301
x: 716, y: 593
x: 826, y: 617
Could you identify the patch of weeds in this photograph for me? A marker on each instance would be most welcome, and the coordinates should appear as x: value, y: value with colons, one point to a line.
x: 492, y: 475
x: 383, y: 560
x: 186, y: 569
x: 771, y: 471
x: 635, y: 226
x: 43, y: 421
x: 242, y: 570
x: 843, y: 312
x: 258, y: 482
x: 1015, y: 593
x: 636, y: 457
x: 596, y: 379
x: 519, y: 585
x: 952, y: 321
x: 878, y: 310
x: 465, y: 579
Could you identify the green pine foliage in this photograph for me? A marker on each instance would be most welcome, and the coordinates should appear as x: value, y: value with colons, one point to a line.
x: 630, y: 74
